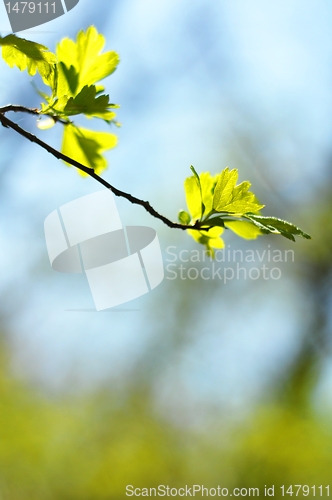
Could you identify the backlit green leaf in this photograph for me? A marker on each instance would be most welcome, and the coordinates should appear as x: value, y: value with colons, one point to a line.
x: 277, y: 226
x: 184, y: 217
x: 67, y: 81
x: 199, y: 193
x: 231, y: 198
x: 244, y: 229
x: 208, y: 183
x: 28, y: 56
x: 87, y: 146
x: 87, y: 103
x: 216, y: 221
x: 85, y: 57
x: 193, y: 197
x: 226, y: 206
x: 224, y: 188
x: 196, y: 176
x: 210, y: 239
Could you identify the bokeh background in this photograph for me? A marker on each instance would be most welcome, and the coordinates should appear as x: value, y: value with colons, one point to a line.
x: 198, y: 382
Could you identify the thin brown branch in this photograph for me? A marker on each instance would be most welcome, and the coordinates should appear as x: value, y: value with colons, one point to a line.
x: 6, y: 122
x: 19, y: 109
x: 15, y: 108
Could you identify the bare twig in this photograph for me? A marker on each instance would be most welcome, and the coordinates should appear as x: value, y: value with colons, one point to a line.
x: 19, y: 109
x: 6, y: 122
x: 15, y: 108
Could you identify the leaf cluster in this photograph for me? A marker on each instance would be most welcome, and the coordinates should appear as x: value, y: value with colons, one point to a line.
x: 72, y: 74
x: 216, y: 203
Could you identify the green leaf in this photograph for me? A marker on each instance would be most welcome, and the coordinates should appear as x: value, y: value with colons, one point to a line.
x: 184, y: 217
x: 210, y: 239
x: 277, y: 226
x: 215, y: 221
x: 85, y: 57
x: 87, y: 103
x: 225, y: 205
x: 199, y: 191
x: 87, y: 146
x: 67, y: 81
x: 193, y: 197
x: 244, y: 229
x: 54, y: 106
x: 196, y: 176
x: 231, y: 198
x: 28, y: 56
x: 224, y: 188
x: 208, y: 183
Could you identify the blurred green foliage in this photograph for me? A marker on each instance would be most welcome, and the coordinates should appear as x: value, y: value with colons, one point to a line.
x: 92, y: 446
